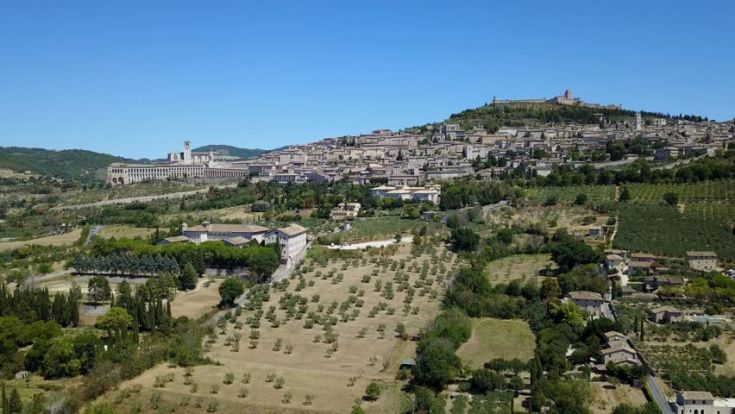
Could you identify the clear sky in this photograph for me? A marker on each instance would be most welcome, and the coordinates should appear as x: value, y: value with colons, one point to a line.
x: 135, y: 78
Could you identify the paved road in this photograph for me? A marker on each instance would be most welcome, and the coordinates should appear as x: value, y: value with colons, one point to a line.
x: 657, y: 391
x: 607, y: 312
x: 141, y: 199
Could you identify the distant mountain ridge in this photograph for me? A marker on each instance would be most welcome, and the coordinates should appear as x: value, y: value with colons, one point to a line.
x: 72, y: 163
x: 245, y: 153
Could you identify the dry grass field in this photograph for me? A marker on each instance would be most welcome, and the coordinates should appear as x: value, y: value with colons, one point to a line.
x: 521, y: 267
x: 123, y: 231
x: 65, y: 239
x: 497, y: 338
x: 352, y: 342
x: 197, y: 302
x: 605, y: 396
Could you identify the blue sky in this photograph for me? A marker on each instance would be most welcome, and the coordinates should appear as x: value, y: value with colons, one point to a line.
x: 136, y: 78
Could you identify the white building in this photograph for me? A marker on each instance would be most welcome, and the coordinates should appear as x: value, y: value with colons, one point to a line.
x: 292, y: 239
x: 179, y: 165
x: 702, y: 402
x: 224, y: 232
x: 429, y: 194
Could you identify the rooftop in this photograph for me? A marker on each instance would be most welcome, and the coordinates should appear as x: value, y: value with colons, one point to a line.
x: 585, y: 295
x: 292, y: 230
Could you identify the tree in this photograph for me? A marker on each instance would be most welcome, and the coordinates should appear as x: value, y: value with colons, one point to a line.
x: 437, y: 364
x: 550, y: 288
x: 671, y: 199
x: 99, y: 289
x: 15, y: 405
x: 625, y: 194
x: 263, y: 262
x: 484, y: 380
x: 428, y: 402
x: 5, y: 402
x: 188, y: 277
x: 372, y: 392
x: 464, y: 239
x: 230, y: 290
x: 116, y: 322
x: 567, y: 252
x: 581, y: 199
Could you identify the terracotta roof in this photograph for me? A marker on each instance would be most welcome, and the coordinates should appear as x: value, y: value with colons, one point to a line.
x: 230, y: 228
x: 702, y: 254
x: 585, y: 295
x: 665, y: 309
x: 236, y: 240
x: 177, y: 239
x: 618, y: 347
x: 697, y: 395
x: 292, y: 229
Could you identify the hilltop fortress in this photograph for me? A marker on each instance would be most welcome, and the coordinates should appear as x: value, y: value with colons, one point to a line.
x: 566, y: 99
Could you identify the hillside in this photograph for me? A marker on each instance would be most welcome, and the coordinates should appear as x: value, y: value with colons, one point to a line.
x: 74, y: 163
x: 494, y: 116
x: 230, y: 150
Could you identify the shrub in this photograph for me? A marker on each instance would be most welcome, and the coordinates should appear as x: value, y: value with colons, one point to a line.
x: 280, y: 382
x: 243, y: 393
x: 372, y: 392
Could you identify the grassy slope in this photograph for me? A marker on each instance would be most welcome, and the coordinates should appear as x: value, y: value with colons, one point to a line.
x: 74, y: 163
x: 496, y: 338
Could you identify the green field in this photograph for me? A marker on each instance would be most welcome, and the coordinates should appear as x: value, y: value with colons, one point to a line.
x: 496, y: 338
x: 595, y: 193
x: 378, y: 228
x: 707, y: 191
x: 664, y: 230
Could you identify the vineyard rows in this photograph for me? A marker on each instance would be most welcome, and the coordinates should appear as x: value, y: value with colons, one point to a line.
x: 595, y: 193
x: 707, y: 191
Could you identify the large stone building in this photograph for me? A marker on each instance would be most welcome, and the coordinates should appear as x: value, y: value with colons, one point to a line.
x: 179, y: 165
x: 292, y: 238
x: 702, y: 261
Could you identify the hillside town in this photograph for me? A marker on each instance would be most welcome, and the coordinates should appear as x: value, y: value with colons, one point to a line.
x: 448, y: 150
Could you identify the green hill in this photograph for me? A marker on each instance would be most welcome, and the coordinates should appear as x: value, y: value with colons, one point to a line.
x: 494, y: 116
x: 73, y: 164
x: 230, y: 150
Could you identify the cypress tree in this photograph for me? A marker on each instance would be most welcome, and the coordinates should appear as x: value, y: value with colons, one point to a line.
x: 15, y: 405
x: 643, y: 330
x: 6, y: 406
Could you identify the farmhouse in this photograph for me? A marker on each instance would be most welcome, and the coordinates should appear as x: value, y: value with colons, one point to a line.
x: 657, y: 281
x: 703, y: 261
x: 620, y: 353
x: 345, y: 211
x: 642, y: 257
x: 614, y: 336
x: 208, y: 231
x: 615, y: 261
x: 665, y: 314
x: 589, y: 301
